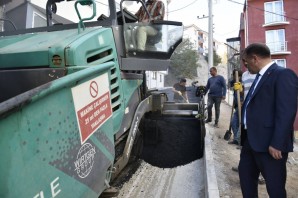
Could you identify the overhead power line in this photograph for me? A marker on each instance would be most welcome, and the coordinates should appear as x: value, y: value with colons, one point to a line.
x: 263, y: 10
x: 101, y: 3
x: 227, y: 32
x: 232, y: 1
x: 183, y: 7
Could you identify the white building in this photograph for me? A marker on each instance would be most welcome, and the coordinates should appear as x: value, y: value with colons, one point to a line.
x: 221, y: 50
x: 198, y: 37
x: 155, y: 79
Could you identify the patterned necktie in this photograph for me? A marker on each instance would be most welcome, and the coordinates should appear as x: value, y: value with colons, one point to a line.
x: 252, y: 88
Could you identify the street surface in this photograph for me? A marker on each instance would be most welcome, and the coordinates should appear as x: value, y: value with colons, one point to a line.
x: 141, y: 179
x: 227, y: 155
x: 149, y: 181
x: 177, y: 170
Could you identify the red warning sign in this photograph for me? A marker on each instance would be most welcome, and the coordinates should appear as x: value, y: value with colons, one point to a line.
x: 93, y: 89
x: 92, y: 105
x: 93, y: 115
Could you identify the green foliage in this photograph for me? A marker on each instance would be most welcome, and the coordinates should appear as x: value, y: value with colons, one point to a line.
x: 216, y: 58
x: 184, y: 61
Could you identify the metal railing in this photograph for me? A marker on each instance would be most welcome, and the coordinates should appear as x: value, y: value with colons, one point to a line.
x: 200, y: 39
x: 200, y: 50
x: 275, y: 18
x: 280, y: 46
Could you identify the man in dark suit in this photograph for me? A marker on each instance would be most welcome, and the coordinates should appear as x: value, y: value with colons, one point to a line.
x: 268, y: 115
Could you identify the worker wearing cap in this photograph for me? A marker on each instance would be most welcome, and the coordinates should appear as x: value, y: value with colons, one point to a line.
x: 179, y: 90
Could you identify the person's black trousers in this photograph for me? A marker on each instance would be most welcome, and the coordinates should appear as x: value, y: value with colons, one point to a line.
x: 274, y: 172
x: 216, y: 101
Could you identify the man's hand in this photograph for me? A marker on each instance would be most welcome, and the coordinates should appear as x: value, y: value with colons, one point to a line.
x: 276, y: 154
x: 179, y: 92
x: 238, y: 86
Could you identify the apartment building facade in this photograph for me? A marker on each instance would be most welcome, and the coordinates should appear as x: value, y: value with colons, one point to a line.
x: 274, y: 22
x: 198, y: 37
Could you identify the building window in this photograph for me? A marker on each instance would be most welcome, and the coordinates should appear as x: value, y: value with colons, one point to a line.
x: 154, y: 75
x: 280, y: 62
x: 274, y: 12
x: 38, y: 20
x: 160, y: 78
x: 275, y: 40
x: 201, y: 50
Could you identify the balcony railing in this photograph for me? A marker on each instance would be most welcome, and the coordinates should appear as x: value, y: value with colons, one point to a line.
x: 278, y: 47
x: 275, y: 18
x: 200, y: 50
x: 200, y: 39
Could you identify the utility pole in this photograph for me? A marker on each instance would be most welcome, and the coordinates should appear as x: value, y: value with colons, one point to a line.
x: 1, y: 17
x: 168, y: 2
x: 210, y: 39
x: 210, y: 35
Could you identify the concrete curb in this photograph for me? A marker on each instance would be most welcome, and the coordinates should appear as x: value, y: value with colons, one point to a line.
x: 211, y: 187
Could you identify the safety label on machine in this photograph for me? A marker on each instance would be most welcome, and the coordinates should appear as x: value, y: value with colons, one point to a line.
x: 92, y: 105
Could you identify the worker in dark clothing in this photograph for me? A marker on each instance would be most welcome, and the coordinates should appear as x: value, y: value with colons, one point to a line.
x: 216, y: 85
x: 235, y: 118
x: 179, y: 90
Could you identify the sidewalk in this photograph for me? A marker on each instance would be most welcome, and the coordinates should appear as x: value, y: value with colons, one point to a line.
x: 226, y: 156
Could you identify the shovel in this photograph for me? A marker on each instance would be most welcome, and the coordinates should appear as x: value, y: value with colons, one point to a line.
x: 239, y: 107
x: 228, y: 132
x: 184, y: 99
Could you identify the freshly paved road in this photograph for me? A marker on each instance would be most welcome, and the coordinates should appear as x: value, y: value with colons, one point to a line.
x: 144, y: 180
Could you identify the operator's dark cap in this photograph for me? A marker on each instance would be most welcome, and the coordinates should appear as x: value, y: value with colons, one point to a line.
x: 182, y: 80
